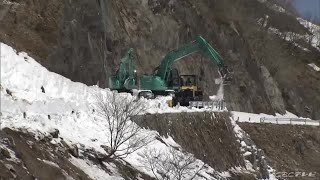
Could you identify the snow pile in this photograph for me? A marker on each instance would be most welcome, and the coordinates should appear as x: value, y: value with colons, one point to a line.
x: 220, y: 94
x: 287, y: 118
x: 291, y: 37
x: 34, y: 99
x: 93, y: 170
x: 250, y: 117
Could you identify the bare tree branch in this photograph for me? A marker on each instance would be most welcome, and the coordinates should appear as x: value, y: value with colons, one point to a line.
x: 172, y: 164
x: 125, y: 137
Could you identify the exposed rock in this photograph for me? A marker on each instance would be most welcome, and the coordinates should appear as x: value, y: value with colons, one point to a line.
x: 242, y: 87
x: 11, y: 169
x: 205, y: 135
x: 42, y: 89
x: 54, y: 133
x: 5, y: 153
x: 72, y: 148
x: 256, y: 158
x: 9, y: 92
x: 37, y: 161
x: 288, y: 148
x: 74, y: 151
x: 272, y: 91
x: 106, y: 148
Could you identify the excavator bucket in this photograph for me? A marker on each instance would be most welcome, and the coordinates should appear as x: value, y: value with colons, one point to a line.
x: 227, y: 80
x: 226, y: 75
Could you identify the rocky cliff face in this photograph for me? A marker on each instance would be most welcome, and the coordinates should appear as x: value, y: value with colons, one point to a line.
x: 84, y: 40
x: 300, y: 144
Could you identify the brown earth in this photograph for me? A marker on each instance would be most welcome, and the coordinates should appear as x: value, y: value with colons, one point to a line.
x: 39, y: 159
x: 31, y: 154
x: 288, y: 148
x: 209, y: 136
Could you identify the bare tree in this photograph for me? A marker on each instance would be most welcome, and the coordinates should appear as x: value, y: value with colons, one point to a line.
x: 125, y: 136
x: 314, y: 36
x: 173, y: 164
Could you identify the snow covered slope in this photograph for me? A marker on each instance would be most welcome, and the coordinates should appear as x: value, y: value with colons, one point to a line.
x: 36, y: 100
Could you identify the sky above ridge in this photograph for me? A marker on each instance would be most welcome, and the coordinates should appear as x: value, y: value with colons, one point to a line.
x: 308, y: 9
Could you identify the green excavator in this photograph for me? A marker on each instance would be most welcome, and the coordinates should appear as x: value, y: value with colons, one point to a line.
x: 165, y: 79
x: 125, y: 79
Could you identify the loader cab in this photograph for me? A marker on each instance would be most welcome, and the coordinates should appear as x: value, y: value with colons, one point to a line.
x: 189, y: 82
x: 189, y: 91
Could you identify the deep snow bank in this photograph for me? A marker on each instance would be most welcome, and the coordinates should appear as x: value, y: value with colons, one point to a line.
x: 35, y: 99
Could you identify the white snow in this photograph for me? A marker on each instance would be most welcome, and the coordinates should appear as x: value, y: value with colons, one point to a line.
x: 313, y: 28
x: 287, y: 118
x: 291, y: 37
x: 247, y: 153
x: 49, y: 163
x: 92, y: 170
x: 13, y: 157
x: 313, y: 38
x: 8, y: 2
x: 220, y: 94
x: 314, y: 66
x: 170, y: 141
x: 67, y: 106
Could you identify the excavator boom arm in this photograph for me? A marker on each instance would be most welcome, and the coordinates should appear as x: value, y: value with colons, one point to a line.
x: 124, y: 79
x: 175, y: 55
x: 126, y: 67
x: 199, y: 45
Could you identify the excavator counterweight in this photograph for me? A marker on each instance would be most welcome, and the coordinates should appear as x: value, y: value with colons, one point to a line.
x: 125, y: 78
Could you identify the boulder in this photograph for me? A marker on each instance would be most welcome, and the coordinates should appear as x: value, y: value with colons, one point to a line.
x: 54, y: 133
x: 5, y: 153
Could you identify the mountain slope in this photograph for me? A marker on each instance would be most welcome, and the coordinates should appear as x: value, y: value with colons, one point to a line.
x: 84, y: 41
x: 57, y: 130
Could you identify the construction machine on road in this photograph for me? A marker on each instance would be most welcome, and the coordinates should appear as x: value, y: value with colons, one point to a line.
x: 125, y: 79
x: 165, y: 79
